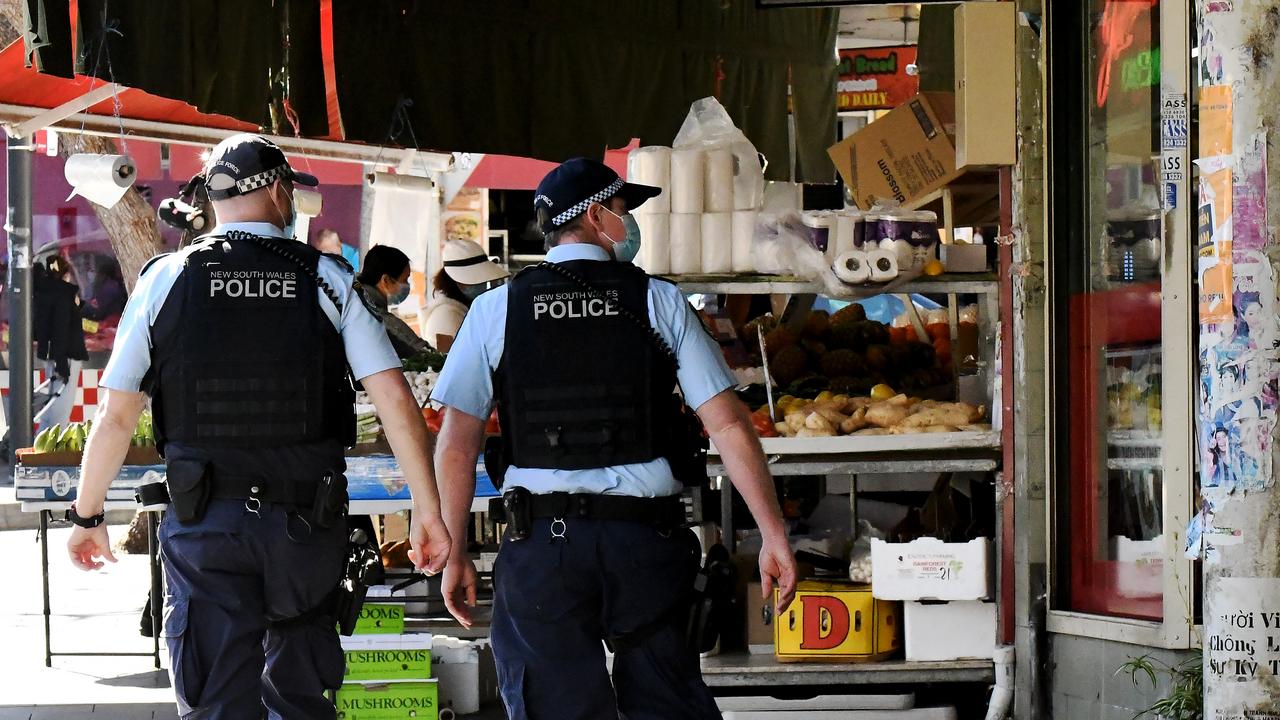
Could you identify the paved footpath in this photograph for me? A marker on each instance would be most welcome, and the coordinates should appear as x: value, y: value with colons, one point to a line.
x: 91, y: 611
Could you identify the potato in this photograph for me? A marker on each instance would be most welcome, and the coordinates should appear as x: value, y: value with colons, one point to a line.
x: 874, y: 431
x: 855, y: 422
x: 816, y: 421
x: 795, y: 420
x: 937, y: 416
x: 810, y: 432
x: 784, y: 429
x: 858, y: 403
x: 886, y: 414
x: 832, y: 413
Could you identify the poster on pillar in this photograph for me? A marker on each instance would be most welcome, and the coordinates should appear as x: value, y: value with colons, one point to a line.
x: 1214, y: 247
x: 1242, y: 646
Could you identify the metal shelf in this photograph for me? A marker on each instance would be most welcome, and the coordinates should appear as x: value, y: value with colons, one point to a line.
x: 751, y: 284
x: 744, y: 670
x: 874, y: 463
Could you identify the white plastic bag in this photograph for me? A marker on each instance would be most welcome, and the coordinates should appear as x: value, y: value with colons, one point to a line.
x: 709, y: 128
x: 860, y: 554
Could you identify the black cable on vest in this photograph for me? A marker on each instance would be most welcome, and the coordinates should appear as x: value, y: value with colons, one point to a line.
x: 595, y: 293
x: 287, y: 253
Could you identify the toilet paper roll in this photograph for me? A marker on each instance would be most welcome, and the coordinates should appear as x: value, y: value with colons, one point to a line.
x: 718, y: 184
x: 655, y: 242
x: 100, y: 179
x: 853, y: 267
x: 884, y: 265
x: 307, y: 202
x: 819, y: 225
x: 687, y: 181
x: 686, y: 243
x: 748, y: 179
x: 743, y: 234
x: 846, y: 232
x: 717, y: 242
x: 651, y: 165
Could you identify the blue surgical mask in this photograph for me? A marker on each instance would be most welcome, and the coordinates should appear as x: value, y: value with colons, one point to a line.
x: 626, y: 250
x: 473, y: 291
x: 400, y: 295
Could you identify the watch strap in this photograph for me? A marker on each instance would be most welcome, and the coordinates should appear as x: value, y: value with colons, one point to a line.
x: 90, y: 522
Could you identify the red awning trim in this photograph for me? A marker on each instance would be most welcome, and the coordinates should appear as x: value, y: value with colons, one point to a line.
x: 336, y: 131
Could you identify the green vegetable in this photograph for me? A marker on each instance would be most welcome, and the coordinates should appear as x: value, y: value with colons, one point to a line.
x: 423, y: 361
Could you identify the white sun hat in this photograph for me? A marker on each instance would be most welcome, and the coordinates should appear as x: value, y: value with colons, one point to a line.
x: 466, y: 263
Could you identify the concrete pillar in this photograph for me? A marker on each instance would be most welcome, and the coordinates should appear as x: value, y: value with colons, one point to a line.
x: 1240, y: 53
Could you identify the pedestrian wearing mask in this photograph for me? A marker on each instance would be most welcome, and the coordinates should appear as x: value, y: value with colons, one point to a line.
x: 248, y: 342
x: 383, y: 282
x: 467, y: 273
x: 582, y: 355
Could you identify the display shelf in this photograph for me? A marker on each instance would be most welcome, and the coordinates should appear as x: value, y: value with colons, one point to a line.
x: 745, y: 670
x: 1134, y: 438
x: 752, y: 284
x: 1134, y: 464
x: 863, y: 444
x: 874, y: 463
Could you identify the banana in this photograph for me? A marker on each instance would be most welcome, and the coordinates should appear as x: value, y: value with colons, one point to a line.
x: 42, y: 440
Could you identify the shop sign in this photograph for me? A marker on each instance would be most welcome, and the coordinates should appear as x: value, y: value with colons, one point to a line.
x: 875, y: 78
x: 1242, y: 646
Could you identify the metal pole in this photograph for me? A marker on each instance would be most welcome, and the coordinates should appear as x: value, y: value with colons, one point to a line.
x: 44, y: 576
x: 18, y: 229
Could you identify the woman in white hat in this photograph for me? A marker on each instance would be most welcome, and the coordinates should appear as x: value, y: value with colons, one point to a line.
x: 467, y: 272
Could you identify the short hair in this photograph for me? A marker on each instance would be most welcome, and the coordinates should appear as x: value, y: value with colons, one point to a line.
x: 326, y: 232
x: 554, y: 236
x: 382, y: 260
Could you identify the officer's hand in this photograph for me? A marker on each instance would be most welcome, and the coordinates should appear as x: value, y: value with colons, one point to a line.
x: 778, y: 564
x: 459, y: 589
x: 89, y: 543
x: 429, y: 543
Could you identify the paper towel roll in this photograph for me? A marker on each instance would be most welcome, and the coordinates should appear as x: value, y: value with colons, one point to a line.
x: 718, y: 186
x: 748, y: 178
x: 717, y: 242
x: 307, y: 202
x: 846, y: 232
x: 884, y: 265
x: 853, y: 267
x: 100, y: 179
x: 686, y: 181
x: 743, y: 233
x: 686, y: 243
x: 655, y: 242
x: 651, y: 165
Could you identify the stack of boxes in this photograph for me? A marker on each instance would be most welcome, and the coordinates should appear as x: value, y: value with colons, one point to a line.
x: 388, y: 674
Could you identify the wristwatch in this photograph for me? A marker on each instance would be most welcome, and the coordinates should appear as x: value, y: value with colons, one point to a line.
x: 91, y: 522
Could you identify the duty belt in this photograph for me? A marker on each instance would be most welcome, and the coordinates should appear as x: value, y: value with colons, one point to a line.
x: 666, y: 512
x: 282, y: 491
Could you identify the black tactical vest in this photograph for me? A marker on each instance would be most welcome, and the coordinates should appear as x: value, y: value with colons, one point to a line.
x: 579, y: 385
x: 248, y: 371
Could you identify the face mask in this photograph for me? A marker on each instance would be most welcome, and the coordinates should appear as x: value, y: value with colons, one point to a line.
x: 289, y: 219
x: 626, y: 250
x: 473, y: 291
x: 400, y: 295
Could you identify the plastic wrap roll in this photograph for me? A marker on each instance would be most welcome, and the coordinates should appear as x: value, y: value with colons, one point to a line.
x: 884, y: 265
x: 307, y: 202
x: 748, y: 179
x: 101, y: 179
x: 742, y: 234
x: 651, y: 166
x: 718, y: 186
x: 845, y: 232
x: 717, y: 242
x: 687, y: 181
x: 655, y: 242
x: 853, y: 267
x: 686, y: 243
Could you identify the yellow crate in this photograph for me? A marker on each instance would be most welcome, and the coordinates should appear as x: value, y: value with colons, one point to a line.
x: 837, y: 622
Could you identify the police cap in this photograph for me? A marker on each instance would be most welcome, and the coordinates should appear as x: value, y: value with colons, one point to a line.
x: 245, y: 162
x: 567, y: 191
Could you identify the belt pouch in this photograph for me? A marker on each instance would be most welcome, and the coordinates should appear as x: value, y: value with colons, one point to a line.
x: 331, y: 500
x: 189, y: 489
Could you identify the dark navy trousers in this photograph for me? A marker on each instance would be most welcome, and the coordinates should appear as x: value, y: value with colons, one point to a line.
x: 555, y: 600
x: 230, y: 581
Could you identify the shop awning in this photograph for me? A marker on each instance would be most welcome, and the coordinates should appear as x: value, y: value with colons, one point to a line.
x: 547, y: 79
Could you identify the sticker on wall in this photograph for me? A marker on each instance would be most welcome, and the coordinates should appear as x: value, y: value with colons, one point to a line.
x: 1215, y: 120
x: 1249, y: 198
x: 1242, y: 646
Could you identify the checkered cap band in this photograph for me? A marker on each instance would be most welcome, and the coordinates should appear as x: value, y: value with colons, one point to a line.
x: 582, y: 206
x: 261, y: 180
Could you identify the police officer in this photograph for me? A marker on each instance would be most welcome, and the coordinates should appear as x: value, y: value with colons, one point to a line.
x: 581, y: 357
x: 245, y: 341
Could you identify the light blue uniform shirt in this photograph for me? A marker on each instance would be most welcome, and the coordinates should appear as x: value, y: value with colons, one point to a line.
x: 466, y: 382
x: 363, y: 337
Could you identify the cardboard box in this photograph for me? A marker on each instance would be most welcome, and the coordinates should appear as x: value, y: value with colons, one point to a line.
x: 380, y: 619
x: 418, y: 700
x: 387, y: 657
x: 904, y: 155
x: 929, y: 569
x: 837, y: 622
x: 758, y: 622
x: 959, y: 630
x: 963, y: 257
x: 985, y: 84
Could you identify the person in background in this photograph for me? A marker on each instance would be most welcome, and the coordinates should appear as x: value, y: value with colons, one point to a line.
x: 59, y: 336
x: 384, y: 282
x: 467, y: 273
x: 101, y: 289
x: 327, y: 241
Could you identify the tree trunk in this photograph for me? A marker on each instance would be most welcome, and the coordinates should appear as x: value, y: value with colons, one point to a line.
x: 131, y: 223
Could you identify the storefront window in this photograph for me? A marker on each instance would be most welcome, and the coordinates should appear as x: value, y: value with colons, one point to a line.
x: 1110, y: 522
